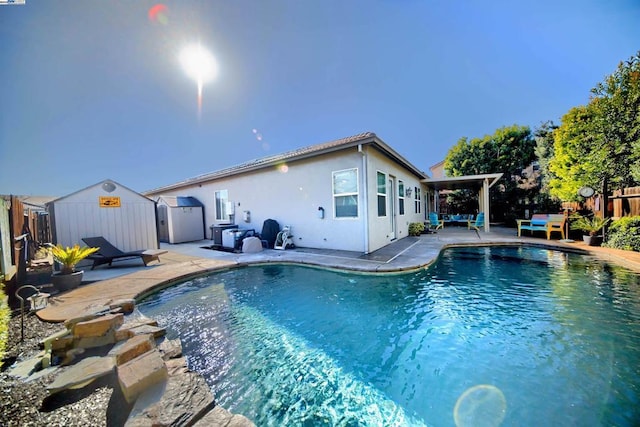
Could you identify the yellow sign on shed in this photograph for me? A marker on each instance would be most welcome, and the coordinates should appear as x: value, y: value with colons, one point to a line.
x: 109, y: 202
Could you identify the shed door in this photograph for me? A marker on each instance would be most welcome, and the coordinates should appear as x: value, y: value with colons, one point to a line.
x: 163, y: 224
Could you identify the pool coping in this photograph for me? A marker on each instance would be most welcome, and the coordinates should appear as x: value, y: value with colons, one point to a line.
x: 396, y: 258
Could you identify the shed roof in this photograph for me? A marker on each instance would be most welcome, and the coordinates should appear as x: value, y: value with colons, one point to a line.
x: 181, y: 201
x: 104, y: 184
x: 301, y: 153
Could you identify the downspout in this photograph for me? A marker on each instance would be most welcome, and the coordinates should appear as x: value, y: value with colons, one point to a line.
x: 365, y: 196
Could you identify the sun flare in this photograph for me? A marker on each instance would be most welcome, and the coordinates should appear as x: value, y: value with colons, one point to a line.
x: 200, y: 65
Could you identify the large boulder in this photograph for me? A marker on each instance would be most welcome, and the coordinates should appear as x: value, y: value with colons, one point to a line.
x: 185, y: 399
x: 220, y: 417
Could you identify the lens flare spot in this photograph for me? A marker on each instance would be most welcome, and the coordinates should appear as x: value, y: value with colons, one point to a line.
x: 283, y: 168
x: 481, y: 405
x: 266, y: 146
x: 159, y: 13
x: 257, y: 134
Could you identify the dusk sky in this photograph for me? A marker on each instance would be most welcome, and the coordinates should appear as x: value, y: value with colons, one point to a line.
x: 94, y: 89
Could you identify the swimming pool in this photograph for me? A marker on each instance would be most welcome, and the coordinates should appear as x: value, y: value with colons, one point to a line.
x: 519, y: 335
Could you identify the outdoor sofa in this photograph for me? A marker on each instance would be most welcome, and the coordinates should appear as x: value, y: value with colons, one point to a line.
x: 548, y: 223
x: 459, y: 219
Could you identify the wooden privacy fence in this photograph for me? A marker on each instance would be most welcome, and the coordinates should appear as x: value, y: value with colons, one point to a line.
x: 625, y: 202
x: 16, y: 220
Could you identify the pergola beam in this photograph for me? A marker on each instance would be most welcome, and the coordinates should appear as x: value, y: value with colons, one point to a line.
x: 480, y: 183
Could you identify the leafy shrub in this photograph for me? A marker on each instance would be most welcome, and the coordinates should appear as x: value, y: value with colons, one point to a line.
x: 416, y: 228
x: 624, y: 233
x: 589, y: 224
x: 5, y: 314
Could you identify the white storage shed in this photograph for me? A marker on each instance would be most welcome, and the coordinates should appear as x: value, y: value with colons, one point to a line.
x: 180, y: 219
x: 125, y: 218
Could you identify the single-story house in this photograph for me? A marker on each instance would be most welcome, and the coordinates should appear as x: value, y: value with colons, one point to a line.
x: 355, y: 194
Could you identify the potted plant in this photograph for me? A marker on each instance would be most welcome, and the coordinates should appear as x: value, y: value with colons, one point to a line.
x: 590, y: 225
x: 68, y: 258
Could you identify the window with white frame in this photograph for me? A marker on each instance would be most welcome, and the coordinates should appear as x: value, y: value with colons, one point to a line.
x: 222, y: 197
x: 417, y: 198
x: 400, y: 197
x: 345, y: 193
x: 382, y: 194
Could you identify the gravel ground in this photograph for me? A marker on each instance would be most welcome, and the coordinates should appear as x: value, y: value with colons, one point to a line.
x: 28, y: 403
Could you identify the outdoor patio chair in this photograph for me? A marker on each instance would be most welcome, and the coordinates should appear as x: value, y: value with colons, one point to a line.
x: 107, y: 253
x: 478, y: 223
x: 434, y: 222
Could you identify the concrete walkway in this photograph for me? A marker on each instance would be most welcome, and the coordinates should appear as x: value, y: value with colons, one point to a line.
x: 130, y: 279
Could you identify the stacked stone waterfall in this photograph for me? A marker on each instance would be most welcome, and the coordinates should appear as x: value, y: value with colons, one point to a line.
x: 151, y: 371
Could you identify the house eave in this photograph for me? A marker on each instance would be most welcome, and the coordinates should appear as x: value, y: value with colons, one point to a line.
x: 367, y: 138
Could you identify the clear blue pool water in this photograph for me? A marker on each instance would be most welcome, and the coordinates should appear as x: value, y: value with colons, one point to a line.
x: 513, y: 335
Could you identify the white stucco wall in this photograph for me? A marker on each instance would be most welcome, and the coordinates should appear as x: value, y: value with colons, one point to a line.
x: 131, y: 226
x: 380, y: 230
x: 291, y: 195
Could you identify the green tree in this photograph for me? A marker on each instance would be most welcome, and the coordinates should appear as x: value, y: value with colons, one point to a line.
x: 617, y: 100
x: 598, y: 144
x: 543, y: 200
x: 509, y: 150
x: 544, y: 151
x: 573, y: 141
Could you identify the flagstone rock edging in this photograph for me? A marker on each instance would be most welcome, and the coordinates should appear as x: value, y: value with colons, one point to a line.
x: 100, y: 295
x: 151, y: 372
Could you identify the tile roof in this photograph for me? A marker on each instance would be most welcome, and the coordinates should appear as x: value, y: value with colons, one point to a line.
x: 294, y: 154
x: 312, y: 150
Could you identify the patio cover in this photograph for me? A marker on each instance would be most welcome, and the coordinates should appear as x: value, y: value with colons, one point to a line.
x: 480, y: 183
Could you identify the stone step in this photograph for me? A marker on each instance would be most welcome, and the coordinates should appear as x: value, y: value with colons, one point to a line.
x: 141, y: 373
x: 82, y: 373
x: 132, y: 348
x: 98, y: 326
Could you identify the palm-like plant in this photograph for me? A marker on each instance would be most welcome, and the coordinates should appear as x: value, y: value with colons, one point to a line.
x: 589, y: 224
x: 70, y: 256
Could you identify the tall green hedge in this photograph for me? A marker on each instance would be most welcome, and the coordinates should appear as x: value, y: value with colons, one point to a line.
x: 624, y: 233
x: 5, y: 314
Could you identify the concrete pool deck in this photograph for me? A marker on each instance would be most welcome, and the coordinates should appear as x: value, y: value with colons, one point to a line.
x: 130, y: 279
